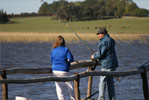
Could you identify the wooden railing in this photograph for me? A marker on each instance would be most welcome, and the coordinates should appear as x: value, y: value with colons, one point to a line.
x: 76, y: 77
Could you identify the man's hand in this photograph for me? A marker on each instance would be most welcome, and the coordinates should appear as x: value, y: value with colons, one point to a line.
x: 95, y: 53
x: 92, y: 57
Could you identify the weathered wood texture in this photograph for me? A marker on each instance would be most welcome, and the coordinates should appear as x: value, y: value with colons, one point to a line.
x: 74, y: 65
x: 145, y: 84
x: 4, y: 86
x: 74, y: 77
x: 76, y: 87
x: 89, y: 89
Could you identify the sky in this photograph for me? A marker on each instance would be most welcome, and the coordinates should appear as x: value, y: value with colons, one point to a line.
x: 29, y: 6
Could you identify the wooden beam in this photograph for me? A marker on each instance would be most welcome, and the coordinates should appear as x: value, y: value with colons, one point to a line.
x: 145, y: 84
x: 89, y: 89
x: 73, y: 77
x: 34, y: 70
x: 76, y: 87
x: 4, y: 86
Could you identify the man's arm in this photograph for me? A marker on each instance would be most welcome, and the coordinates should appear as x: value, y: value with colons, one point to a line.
x: 101, y: 52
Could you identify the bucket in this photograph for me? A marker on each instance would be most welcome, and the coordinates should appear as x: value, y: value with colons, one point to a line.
x: 22, y: 98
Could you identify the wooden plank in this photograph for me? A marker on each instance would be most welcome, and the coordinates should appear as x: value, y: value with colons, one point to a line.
x: 145, y: 85
x: 82, y: 64
x: 27, y: 71
x: 4, y: 86
x: 34, y: 70
x: 73, y: 77
x: 89, y: 89
x: 90, y: 78
x: 76, y: 87
x: 74, y: 65
x: 68, y: 78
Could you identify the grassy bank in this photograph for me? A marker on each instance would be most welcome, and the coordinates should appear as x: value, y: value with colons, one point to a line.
x: 44, y: 29
x: 49, y: 37
x: 47, y: 25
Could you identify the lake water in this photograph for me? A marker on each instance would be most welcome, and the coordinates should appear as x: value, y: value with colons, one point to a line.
x: 130, y: 55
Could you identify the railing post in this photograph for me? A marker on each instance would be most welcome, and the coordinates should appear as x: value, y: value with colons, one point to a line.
x: 89, y: 89
x: 145, y: 84
x: 4, y: 86
x: 76, y: 86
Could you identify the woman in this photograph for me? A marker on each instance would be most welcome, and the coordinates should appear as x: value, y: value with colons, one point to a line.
x: 60, y: 59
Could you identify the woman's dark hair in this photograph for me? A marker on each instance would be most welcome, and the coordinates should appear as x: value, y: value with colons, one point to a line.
x: 60, y: 41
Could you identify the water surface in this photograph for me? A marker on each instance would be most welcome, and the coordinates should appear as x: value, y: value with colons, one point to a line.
x: 130, y: 55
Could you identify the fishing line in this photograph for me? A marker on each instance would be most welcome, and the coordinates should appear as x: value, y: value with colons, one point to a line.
x: 70, y: 28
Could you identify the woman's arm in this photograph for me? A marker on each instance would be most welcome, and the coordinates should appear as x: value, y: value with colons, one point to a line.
x: 51, y: 57
x: 69, y: 56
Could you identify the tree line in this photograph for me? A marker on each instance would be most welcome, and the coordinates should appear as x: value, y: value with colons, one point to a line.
x: 3, y: 17
x: 93, y: 9
x: 85, y: 10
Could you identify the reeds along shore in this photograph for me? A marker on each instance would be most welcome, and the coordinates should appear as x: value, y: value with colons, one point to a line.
x: 69, y: 37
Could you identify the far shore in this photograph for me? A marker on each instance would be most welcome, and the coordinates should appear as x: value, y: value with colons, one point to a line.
x: 49, y: 37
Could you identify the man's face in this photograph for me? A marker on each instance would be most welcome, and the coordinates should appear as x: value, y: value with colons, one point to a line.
x: 101, y: 35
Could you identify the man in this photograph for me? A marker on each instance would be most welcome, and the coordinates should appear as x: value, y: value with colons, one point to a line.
x: 108, y: 60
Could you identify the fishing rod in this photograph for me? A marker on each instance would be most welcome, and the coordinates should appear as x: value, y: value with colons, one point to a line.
x: 70, y: 28
x: 145, y: 63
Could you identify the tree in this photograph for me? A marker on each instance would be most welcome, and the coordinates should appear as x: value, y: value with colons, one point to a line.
x: 119, y: 8
x: 65, y: 13
x: 130, y: 8
x: 44, y: 9
x: 76, y: 12
x: 140, y: 13
x: 110, y: 8
x: 3, y: 17
x: 93, y: 9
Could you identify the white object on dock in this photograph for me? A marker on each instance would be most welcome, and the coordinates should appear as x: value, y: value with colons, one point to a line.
x: 22, y: 98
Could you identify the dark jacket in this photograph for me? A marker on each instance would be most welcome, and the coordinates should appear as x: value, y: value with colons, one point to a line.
x: 106, y: 53
x: 61, y: 58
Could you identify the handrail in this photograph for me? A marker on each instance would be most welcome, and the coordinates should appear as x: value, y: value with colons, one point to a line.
x: 35, y: 70
x: 74, y: 77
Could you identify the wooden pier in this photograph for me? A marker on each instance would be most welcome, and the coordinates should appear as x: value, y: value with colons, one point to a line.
x: 75, y: 78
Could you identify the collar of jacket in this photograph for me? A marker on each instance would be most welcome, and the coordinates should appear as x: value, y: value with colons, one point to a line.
x: 107, y: 35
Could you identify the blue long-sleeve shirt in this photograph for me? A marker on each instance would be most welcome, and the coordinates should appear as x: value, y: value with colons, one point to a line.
x: 106, y: 53
x: 61, y: 58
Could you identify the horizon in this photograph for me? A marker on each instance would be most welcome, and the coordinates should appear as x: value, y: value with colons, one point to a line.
x: 32, y: 6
